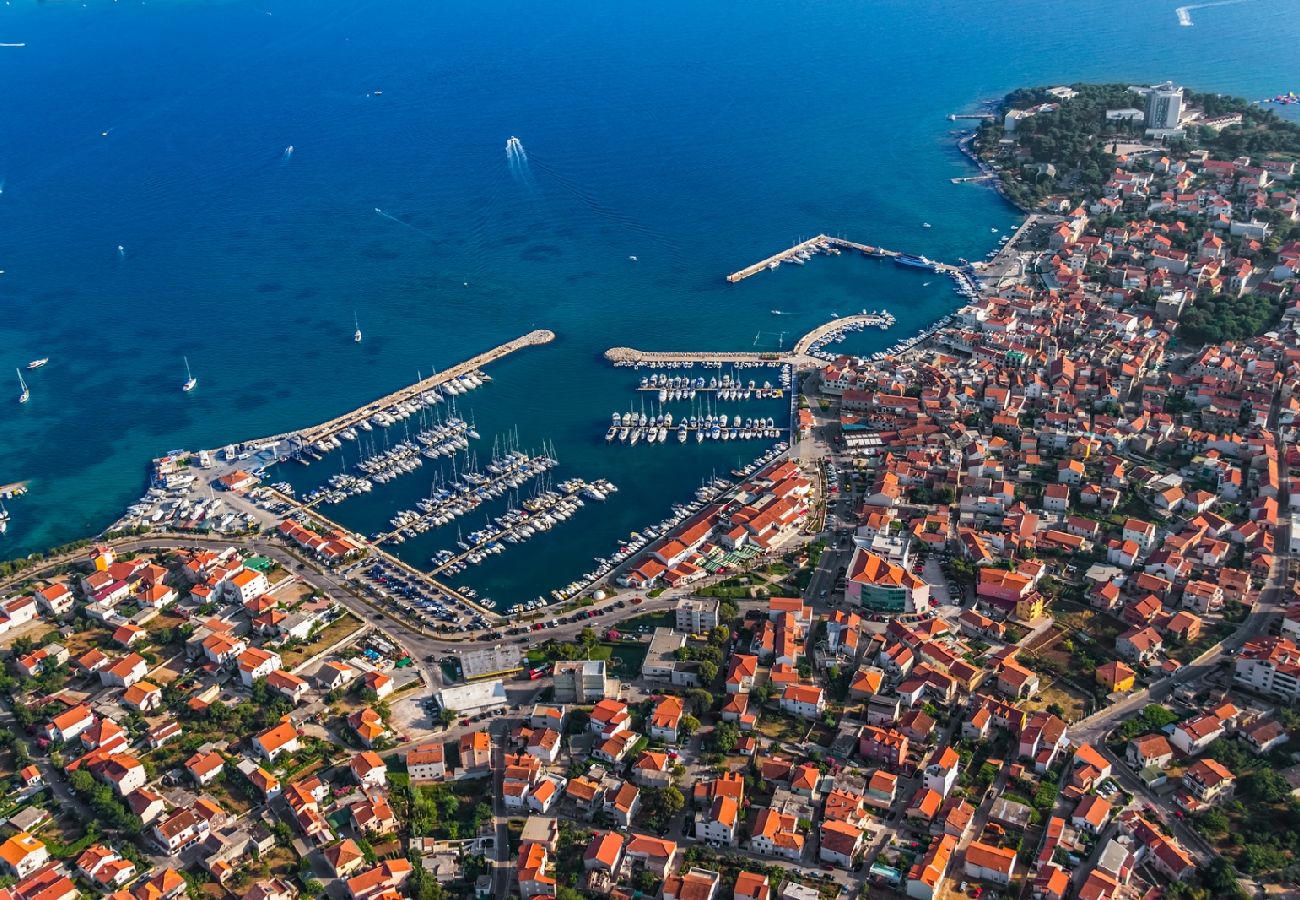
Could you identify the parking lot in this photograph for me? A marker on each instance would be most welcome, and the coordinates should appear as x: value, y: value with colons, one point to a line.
x: 402, y: 593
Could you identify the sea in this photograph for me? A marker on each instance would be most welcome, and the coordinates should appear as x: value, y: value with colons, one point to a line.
x: 232, y: 181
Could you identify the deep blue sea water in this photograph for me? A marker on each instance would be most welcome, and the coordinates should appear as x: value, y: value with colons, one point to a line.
x: 696, y: 137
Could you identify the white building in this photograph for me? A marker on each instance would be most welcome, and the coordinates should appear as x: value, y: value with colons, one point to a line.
x: 1164, y: 107
x: 472, y: 699
x: 696, y: 616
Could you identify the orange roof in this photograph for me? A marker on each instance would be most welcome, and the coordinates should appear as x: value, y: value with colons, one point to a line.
x: 19, y: 847
x: 605, y: 848
x: 997, y: 859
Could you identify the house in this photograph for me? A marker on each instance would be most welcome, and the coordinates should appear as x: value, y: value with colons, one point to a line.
x: 615, y: 748
x: 205, y: 768
x: 246, y: 585
x: 143, y: 696
x: 255, y: 663
x: 777, y: 834
x: 652, y: 769
x: 984, y: 862
x: 1092, y: 814
x: 125, y: 672
x: 804, y: 701
x: 368, y: 725
x: 751, y: 886
x: 69, y: 724
x: 741, y: 670
x: 1191, y: 736
x: 344, y: 858
x: 1115, y: 676
x: 277, y: 741
x: 104, y: 868
x: 21, y: 854
x: 622, y: 805
x: 179, y: 830
x: 1149, y: 750
x: 926, y: 878
x: 146, y: 804
x: 475, y: 751
x: 548, y: 716
x: 693, y: 884
x: 941, y: 774
x: 373, y: 816
x: 666, y: 718
x: 287, y: 684
x: 720, y: 824
x: 882, y: 788
x: 534, y: 871
x: 1139, y: 645
x: 426, y: 762
x: 1208, y: 782
x: 656, y: 855
x: 369, y: 770
x: 604, y: 852
x: 334, y: 675
x: 609, y: 717
x: 383, y: 881
x: 1017, y: 682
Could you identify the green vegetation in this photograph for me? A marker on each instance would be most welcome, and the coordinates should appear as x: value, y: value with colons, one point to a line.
x: 108, y: 809
x: 659, y: 805
x: 1213, y: 320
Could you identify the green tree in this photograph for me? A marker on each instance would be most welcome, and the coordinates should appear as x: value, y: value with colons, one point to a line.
x: 688, y: 724
x: 725, y: 737
x: 1265, y: 786
x: 708, y: 671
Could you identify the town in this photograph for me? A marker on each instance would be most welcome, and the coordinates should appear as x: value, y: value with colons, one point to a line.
x: 1016, y: 615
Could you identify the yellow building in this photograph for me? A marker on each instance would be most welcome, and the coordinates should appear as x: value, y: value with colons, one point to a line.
x: 1030, y: 607
x: 102, y: 558
x: 1115, y: 676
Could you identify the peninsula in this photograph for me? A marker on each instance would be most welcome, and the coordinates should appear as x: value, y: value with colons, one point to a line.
x: 1010, y: 608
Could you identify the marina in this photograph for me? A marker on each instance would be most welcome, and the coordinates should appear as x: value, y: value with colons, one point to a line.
x: 538, y: 514
x: 449, y: 500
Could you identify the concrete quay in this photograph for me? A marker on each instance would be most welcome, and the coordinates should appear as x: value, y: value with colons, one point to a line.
x: 824, y: 243
x: 314, y: 433
x: 797, y: 356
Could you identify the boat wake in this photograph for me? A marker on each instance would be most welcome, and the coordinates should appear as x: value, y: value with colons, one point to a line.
x: 392, y: 218
x: 517, y: 160
x: 1184, y: 13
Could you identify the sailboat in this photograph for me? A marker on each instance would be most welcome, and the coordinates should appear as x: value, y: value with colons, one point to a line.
x: 190, y: 380
x: 356, y: 335
x: 26, y: 394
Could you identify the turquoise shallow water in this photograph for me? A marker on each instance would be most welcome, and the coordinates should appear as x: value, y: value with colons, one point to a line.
x: 696, y: 137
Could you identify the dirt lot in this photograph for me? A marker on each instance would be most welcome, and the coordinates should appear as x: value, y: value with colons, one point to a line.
x: 332, y: 633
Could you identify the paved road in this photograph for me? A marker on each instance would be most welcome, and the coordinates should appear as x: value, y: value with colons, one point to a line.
x: 1271, y: 601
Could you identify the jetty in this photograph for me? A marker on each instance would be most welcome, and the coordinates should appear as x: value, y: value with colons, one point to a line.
x: 824, y: 243
x: 373, y: 549
x: 630, y: 356
x: 981, y: 116
x: 797, y: 356
x: 412, y: 391
x: 13, y: 489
